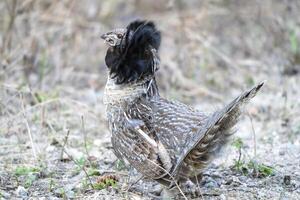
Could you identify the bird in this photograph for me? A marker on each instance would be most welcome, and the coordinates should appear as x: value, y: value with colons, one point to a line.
x: 164, y: 140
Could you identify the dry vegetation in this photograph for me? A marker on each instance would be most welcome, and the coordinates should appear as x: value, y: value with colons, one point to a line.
x: 54, y: 140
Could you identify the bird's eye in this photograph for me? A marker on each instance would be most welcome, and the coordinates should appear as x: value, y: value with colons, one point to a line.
x: 119, y: 35
x: 111, y: 41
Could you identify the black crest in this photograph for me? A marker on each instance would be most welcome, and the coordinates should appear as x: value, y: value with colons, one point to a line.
x: 133, y: 59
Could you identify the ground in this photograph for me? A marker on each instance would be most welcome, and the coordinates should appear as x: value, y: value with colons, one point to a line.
x: 54, y: 139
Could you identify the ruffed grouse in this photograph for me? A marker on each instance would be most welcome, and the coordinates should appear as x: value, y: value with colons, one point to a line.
x: 164, y: 140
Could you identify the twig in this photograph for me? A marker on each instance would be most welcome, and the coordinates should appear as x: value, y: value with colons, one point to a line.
x: 137, y: 180
x: 43, y: 123
x: 64, y: 144
x: 197, y: 181
x: 7, y: 39
x: 81, y: 167
x: 28, y: 128
x: 85, y: 140
x: 254, y: 134
x: 43, y: 109
x: 84, y: 135
x: 181, y: 192
x: 76, y: 163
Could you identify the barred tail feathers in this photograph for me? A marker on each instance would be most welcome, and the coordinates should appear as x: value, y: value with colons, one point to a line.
x: 217, y: 130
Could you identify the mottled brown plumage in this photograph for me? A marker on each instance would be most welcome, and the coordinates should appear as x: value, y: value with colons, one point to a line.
x: 164, y: 140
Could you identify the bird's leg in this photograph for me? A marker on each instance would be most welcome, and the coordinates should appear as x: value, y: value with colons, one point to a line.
x: 188, y: 187
x: 140, y: 177
x: 183, y: 188
x: 154, y: 190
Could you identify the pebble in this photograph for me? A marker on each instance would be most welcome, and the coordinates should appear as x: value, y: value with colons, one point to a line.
x: 64, y: 193
x: 21, y: 192
x: 242, y: 179
x: 251, y: 184
x: 223, y: 197
x: 59, y: 192
x: 216, y: 175
x: 4, y: 195
x: 287, y: 180
x: 211, y: 183
x: 70, y: 194
x: 236, y: 182
x: 229, y: 181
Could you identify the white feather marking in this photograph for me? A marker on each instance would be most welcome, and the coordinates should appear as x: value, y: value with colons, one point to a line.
x: 147, y: 138
x: 198, y: 153
x: 203, y: 145
x: 164, y: 156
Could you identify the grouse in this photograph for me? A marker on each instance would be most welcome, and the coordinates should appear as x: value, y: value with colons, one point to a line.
x: 164, y: 140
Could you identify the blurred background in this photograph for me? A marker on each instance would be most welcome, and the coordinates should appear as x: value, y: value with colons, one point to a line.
x: 53, y: 130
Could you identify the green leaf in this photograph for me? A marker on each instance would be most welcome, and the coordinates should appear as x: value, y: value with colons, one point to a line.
x: 22, y: 170
x: 93, y: 172
x: 294, y: 42
x: 265, y: 170
x: 237, y: 143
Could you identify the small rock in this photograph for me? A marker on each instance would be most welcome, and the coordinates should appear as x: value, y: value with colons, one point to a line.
x: 4, y: 195
x: 55, y: 142
x: 64, y: 193
x: 50, y: 149
x: 59, y: 192
x: 65, y: 158
x: 287, y: 180
x: 216, y: 175
x: 229, y: 181
x: 236, y: 182
x: 92, y: 158
x: 21, y: 192
x: 44, y: 173
x: 210, y: 183
x: 223, y: 197
x: 242, y: 179
x: 70, y: 194
x: 251, y: 184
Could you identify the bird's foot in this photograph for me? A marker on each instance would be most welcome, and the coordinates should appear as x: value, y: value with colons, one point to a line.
x: 150, y: 189
x: 188, y: 189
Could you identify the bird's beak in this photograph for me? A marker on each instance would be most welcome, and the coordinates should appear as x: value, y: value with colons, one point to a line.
x: 104, y: 36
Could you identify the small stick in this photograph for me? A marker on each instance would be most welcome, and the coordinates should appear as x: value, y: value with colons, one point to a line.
x: 81, y: 167
x: 85, y: 139
x: 28, y: 128
x: 76, y: 163
x: 137, y: 180
x: 197, y: 181
x: 64, y: 144
x: 254, y: 134
x: 181, y: 192
x: 43, y: 123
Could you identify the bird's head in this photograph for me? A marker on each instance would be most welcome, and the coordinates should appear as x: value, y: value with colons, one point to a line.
x: 131, y: 55
x: 114, y: 38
